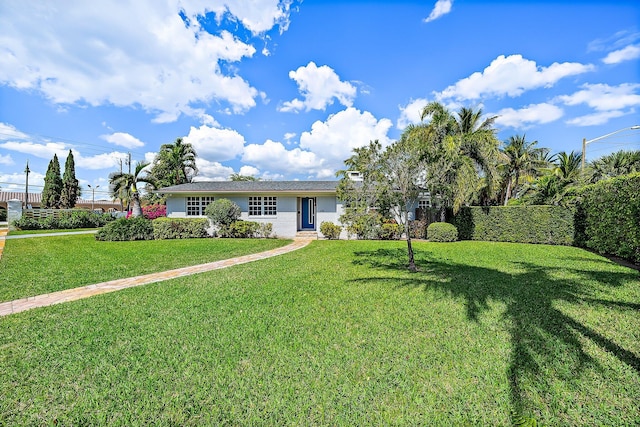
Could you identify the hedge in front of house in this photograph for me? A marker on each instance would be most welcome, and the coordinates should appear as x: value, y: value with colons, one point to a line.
x: 179, y: 228
x: 124, y: 229
x: 608, y: 217
x: 552, y: 225
x: 442, y: 232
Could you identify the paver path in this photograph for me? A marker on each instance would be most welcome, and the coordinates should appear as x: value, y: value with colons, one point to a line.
x: 16, y: 306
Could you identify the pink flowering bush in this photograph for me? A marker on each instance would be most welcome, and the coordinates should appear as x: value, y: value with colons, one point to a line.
x: 154, y: 211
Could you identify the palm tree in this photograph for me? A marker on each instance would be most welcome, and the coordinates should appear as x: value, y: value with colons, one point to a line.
x: 556, y: 185
x: 615, y: 164
x: 465, y: 144
x: 522, y: 159
x: 121, y: 183
x: 175, y: 163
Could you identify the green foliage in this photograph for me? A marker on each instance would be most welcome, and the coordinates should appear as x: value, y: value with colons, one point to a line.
x: 179, y: 228
x: 523, y: 224
x: 330, y: 230
x: 134, y: 228
x: 76, y: 218
x: 52, y: 185
x: 442, y: 232
x: 222, y: 212
x: 390, y: 231
x: 418, y: 229
x: 265, y: 230
x: 70, y: 187
x: 608, y: 217
x: 3, y: 214
x: 174, y: 164
x: 241, y: 230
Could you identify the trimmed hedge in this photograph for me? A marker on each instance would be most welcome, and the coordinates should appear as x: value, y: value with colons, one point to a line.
x: 124, y: 229
x: 552, y: 225
x: 66, y: 220
x: 442, y: 232
x: 608, y: 217
x: 180, y: 228
x: 330, y: 230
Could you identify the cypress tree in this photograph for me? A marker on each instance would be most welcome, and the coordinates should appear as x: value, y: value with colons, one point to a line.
x: 52, y: 185
x: 70, y: 187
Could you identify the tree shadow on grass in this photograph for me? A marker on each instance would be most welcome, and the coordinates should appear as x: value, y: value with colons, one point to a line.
x: 546, y: 344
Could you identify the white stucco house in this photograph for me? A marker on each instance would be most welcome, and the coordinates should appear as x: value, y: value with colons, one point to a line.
x: 291, y: 206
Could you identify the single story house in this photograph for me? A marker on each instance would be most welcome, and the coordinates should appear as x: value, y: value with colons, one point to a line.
x: 293, y: 207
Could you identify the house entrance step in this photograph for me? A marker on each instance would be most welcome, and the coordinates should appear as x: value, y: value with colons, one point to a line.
x: 307, y: 234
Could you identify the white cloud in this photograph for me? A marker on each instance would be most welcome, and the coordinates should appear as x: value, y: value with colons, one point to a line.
x: 531, y: 114
x: 123, y: 139
x: 319, y: 86
x: 511, y: 75
x: 598, y: 118
x: 627, y: 54
x: 410, y: 113
x: 212, y: 171
x: 442, y: 7
x: 603, y: 97
x: 273, y: 155
x: 8, y: 131
x: 249, y: 171
x: 334, y: 139
x: 16, y: 182
x: 44, y: 151
x: 6, y: 160
x: 100, y: 161
x: 215, y: 144
x: 140, y: 53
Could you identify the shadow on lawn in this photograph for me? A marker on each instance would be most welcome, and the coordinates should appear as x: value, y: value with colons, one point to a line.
x: 546, y: 343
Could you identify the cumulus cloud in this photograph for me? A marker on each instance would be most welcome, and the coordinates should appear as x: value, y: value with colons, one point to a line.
x: 595, y: 119
x: 6, y: 160
x: 249, y: 171
x: 410, y: 113
x: 334, y: 139
x: 603, y: 97
x: 215, y: 144
x: 44, y: 151
x: 274, y: 156
x: 511, y: 75
x: 529, y: 115
x: 139, y: 54
x: 15, y: 181
x: 123, y: 139
x: 627, y: 54
x: 212, y: 171
x: 441, y: 8
x: 319, y: 86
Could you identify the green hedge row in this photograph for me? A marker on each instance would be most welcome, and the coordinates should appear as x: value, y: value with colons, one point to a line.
x: 608, y: 217
x: 71, y: 219
x: 180, y: 228
x: 161, y: 228
x: 521, y: 224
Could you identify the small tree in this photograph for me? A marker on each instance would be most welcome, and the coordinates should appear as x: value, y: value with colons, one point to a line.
x: 52, y: 185
x: 70, y: 186
x: 223, y: 213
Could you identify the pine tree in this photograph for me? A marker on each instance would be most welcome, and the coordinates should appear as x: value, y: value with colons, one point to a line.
x: 52, y: 185
x: 70, y: 187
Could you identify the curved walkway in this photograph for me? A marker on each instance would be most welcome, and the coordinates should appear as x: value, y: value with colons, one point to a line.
x: 16, y: 306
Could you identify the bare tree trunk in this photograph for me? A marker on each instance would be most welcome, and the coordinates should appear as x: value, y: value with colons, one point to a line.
x: 412, y: 262
x: 136, y: 210
x: 507, y: 194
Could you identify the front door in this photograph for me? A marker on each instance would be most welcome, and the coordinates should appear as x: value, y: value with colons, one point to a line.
x: 308, y: 212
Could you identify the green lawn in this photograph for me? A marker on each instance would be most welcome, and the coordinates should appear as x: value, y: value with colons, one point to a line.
x: 338, y: 333
x: 35, y: 266
x: 65, y: 230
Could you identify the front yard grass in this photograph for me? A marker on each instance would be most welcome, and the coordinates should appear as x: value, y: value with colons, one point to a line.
x: 338, y: 333
x: 39, y: 265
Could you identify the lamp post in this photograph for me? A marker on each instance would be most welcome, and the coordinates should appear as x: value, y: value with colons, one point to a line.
x: 585, y: 142
x: 93, y: 194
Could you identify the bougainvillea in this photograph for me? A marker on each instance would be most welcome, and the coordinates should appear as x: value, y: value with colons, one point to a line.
x: 154, y: 211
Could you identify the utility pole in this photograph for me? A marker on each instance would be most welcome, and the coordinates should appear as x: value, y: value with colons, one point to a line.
x: 26, y: 186
x: 129, y: 161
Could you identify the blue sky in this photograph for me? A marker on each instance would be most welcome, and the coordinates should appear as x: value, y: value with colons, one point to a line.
x: 286, y: 89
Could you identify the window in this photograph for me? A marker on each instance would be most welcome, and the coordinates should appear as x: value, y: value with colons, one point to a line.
x: 196, y: 205
x: 263, y: 206
x: 424, y: 204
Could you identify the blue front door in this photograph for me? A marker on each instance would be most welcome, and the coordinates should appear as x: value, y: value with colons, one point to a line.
x: 308, y: 212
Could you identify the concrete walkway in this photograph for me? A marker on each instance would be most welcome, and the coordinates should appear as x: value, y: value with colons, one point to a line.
x: 16, y: 306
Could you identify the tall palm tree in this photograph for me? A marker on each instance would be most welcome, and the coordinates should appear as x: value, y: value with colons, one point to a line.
x: 467, y: 146
x: 124, y: 183
x: 175, y: 163
x: 555, y: 186
x: 522, y: 159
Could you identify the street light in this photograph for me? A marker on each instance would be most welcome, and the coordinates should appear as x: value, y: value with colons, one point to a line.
x: 93, y: 194
x: 585, y: 142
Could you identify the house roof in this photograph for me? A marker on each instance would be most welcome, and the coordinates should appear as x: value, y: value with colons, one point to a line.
x: 251, y: 187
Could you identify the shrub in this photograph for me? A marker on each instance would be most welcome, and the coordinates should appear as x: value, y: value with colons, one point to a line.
x: 330, y: 230
x: 418, y: 229
x: 242, y: 229
x: 76, y: 218
x: 222, y: 212
x: 608, y: 217
x: 442, y: 232
x: 154, y: 211
x: 121, y: 229
x: 519, y: 224
x: 180, y: 228
x: 26, y: 223
x: 265, y: 230
x: 390, y: 231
